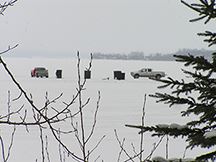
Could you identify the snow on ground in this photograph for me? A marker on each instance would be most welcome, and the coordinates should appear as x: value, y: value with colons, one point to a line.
x: 210, y: 134
x: 121, y: 103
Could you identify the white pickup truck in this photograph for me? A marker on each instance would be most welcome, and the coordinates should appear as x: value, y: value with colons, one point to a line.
x: 147, y: 72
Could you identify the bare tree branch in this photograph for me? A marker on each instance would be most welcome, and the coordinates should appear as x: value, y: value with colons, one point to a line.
x: 45, y: 118
x: 5, y: 5
x: 156, y: 145
x: 122, y: 148
x: 4, y: 156
x: 9, y: 47
x: 143, y: 124
x: 95, y: 118
x: 47, y: 152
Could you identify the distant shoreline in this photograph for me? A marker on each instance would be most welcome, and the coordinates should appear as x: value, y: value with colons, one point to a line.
x: 133, y: 56
x: 152, y: 57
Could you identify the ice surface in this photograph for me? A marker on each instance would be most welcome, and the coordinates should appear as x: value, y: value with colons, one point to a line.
x: 121, y: 103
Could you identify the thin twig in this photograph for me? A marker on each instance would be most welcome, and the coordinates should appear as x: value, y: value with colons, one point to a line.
x: 143, y: 124
x: 80, y: 87
x: 3, y: 149
x: 11, y: 143
x: 4, y: 6
x: 6, y: 157
x: 122, y: 148
x: 98, y: 143
x: 167, y: 147
x: 47, y: 152
x: 95, y: 118
x: 42, y: 144
x: 154, y: 148
x: 9, y: 48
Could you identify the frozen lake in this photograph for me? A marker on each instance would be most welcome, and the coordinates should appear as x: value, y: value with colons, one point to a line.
x: 121, y: 103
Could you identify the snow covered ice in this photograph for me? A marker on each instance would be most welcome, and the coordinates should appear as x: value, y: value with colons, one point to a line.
x: 121, y: 103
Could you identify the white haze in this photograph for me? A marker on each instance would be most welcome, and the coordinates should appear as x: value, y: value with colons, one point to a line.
x: 56, y: 28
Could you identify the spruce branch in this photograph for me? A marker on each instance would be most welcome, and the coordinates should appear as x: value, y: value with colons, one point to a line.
x: 211, y: 37
x: 206, y: 10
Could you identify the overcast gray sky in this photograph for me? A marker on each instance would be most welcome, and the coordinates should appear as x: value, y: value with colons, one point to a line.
x: 107, y: 26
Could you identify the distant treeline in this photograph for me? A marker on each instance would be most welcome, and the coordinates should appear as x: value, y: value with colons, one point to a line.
x: 153, y: 57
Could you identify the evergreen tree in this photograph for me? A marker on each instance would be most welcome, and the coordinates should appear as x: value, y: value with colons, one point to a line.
x: 202, y: 84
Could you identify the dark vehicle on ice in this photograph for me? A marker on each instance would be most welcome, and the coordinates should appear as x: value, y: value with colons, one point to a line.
x: 39, y: 72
